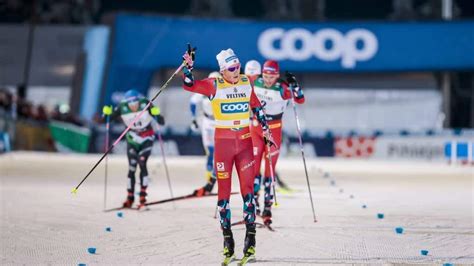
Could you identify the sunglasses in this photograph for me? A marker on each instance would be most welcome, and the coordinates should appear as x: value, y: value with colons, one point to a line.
x: 234, y: 68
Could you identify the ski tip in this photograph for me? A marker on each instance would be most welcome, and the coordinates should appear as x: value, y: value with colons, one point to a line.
x: 143, y: 209
x: 228, y: 260
x: 247, y: 259
x: 74, y: 191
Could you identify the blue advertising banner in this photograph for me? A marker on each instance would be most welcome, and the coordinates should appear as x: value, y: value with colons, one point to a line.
x: 4, y: 142
x: 143, y: 44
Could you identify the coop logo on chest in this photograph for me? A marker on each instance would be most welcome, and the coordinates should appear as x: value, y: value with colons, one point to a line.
x: 231, y: 108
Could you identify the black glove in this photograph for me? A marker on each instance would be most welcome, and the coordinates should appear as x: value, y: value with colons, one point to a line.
x: 161, y: 120
x: 291, y: 79
x: 188, y: 61
x: 294, y: 86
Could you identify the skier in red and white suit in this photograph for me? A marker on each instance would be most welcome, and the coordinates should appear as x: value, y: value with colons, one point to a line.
x: 273, y: 93
x: 232, y: 97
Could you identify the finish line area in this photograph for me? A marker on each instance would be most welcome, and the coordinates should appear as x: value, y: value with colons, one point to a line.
x: 360, y: 207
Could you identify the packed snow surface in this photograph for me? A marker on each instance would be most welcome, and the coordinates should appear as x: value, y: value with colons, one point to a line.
x: 41, y: 222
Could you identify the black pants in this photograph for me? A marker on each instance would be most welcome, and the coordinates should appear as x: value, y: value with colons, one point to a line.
x: 138, y: 156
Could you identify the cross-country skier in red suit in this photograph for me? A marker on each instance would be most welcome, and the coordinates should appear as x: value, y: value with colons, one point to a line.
x: 232, y: 98
x: 273, y: 93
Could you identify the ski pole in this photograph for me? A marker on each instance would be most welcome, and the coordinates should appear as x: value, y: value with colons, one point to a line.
x: 272, y: 174
x: 268, y: 144
x: 107, y: 111
x: 298, y: 130
x: 163, y: 87
x: 164, y: 162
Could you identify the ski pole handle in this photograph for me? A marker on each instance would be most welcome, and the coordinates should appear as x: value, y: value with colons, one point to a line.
x: 107, y: 110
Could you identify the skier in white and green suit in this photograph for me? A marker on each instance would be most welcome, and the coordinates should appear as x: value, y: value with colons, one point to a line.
x: 139, y: 140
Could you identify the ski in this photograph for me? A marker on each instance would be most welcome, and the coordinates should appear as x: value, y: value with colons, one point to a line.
x: 114, y: 209
x: 269, y: 227
x: 285, y: 191
x: 246, y: 259
x: 266, y: 225
x: 142, y: 208
x: 259, y: 225
x: 228, y: 260
x: 121, y: 208
x: 281, y: 184
x: 238, y: 223
x: 189, y: 196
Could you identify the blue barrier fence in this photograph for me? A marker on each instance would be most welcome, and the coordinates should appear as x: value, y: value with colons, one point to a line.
x: 461, y: 150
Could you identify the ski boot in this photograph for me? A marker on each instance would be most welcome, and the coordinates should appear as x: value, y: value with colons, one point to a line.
x: 129, y: 201
x: 143, y: 195
x: 249, y: 245
x: 267, y: 217
x: 229, y: 245
x: 205, y: 190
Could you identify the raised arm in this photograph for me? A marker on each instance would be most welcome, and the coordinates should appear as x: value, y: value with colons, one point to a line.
x: 292, y: 86
x: 205, y: 87
x: 297, y: 94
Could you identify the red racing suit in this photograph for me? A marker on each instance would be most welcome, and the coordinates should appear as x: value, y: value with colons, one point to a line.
x: 231, y: 104
x: 274, y: 101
